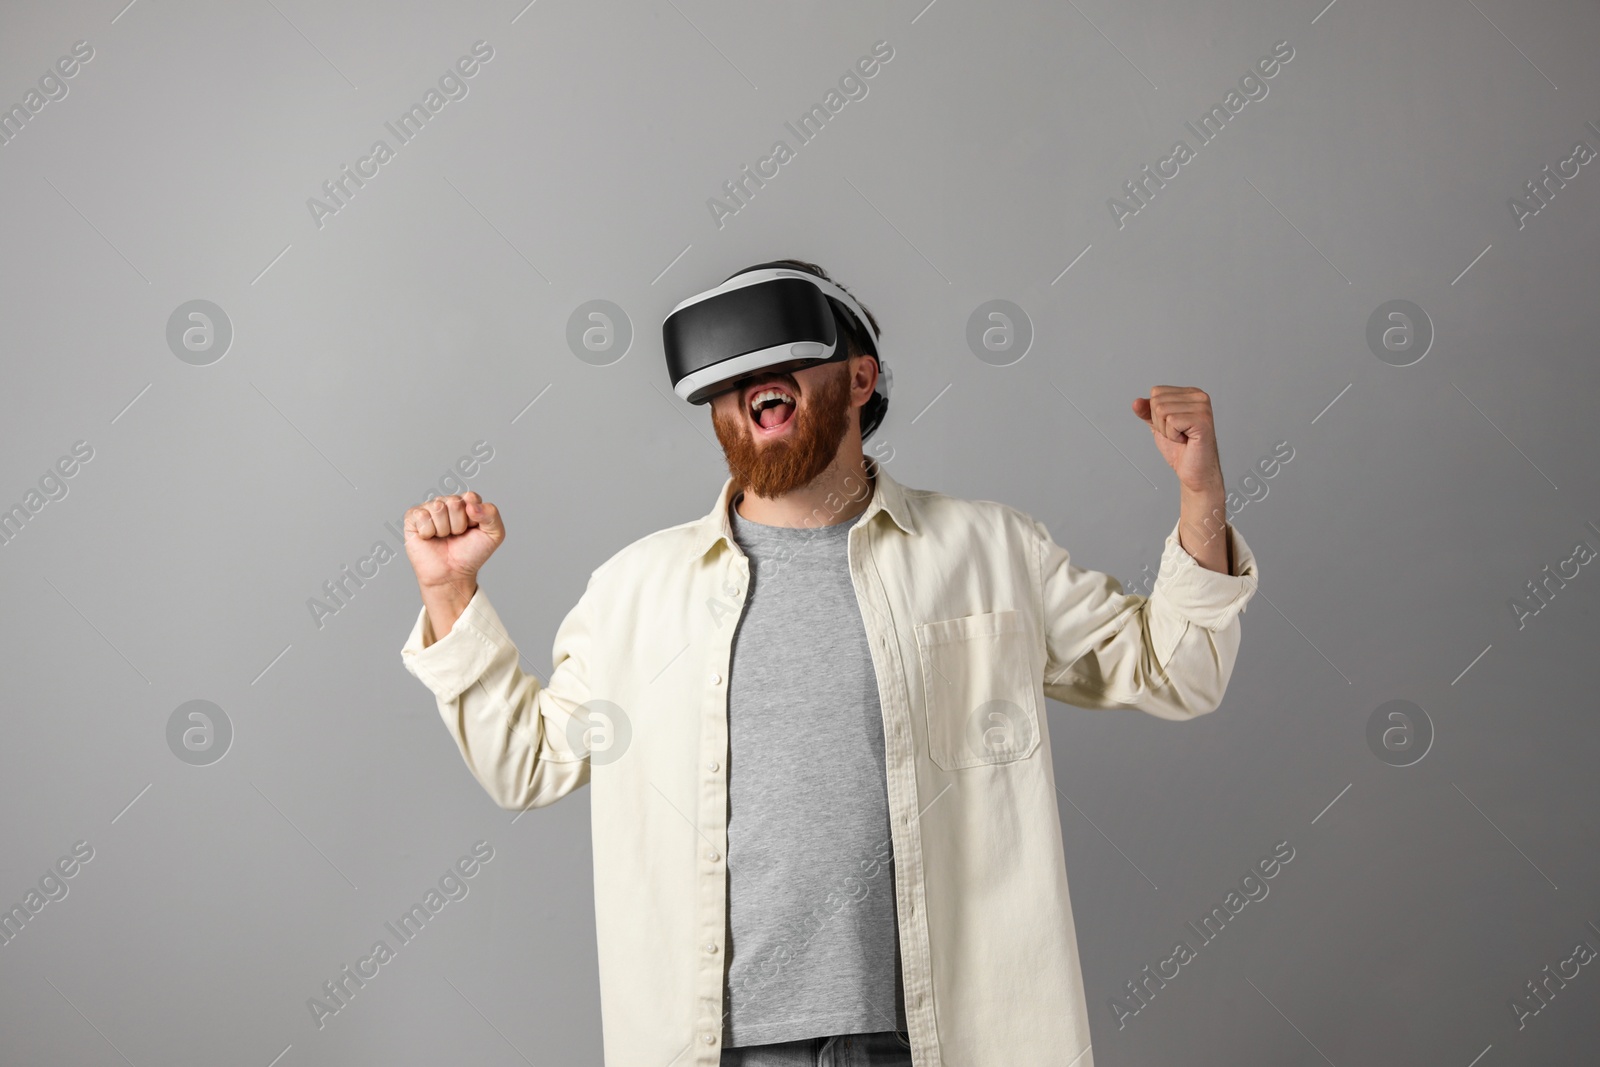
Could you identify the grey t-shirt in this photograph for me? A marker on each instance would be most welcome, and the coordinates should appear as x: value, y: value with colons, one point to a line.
x: 813, y: 945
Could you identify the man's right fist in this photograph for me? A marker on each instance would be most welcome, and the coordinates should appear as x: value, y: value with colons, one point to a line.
x: 450, y: 537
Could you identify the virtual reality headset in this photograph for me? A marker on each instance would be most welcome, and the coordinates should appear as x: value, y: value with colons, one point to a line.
x: 766, y: 318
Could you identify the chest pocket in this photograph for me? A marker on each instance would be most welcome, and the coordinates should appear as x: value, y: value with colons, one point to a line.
x: 978, y: 686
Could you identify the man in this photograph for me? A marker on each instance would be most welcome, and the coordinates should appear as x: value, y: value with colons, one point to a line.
x: 824, y: 816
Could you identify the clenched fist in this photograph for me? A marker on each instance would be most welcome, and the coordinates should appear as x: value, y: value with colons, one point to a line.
x: 448, y: 540
x: 1180, y: 418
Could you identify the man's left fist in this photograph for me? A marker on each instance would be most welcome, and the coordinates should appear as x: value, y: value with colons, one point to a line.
x: 1180, y: 418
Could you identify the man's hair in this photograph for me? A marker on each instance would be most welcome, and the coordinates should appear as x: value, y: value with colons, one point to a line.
x: 855, y: 342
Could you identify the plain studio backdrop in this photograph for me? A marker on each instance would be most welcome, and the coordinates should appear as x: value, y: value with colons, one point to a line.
x: 1379, y: 261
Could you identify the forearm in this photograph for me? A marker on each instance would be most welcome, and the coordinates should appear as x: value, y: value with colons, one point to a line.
x: 1203, y: 527
x: 445, y: 603
x: 499, y: 715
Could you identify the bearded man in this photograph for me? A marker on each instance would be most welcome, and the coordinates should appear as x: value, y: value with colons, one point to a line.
x: 824, y: 810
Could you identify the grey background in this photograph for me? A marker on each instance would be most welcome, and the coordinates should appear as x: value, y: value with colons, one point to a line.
x: 368, y: 355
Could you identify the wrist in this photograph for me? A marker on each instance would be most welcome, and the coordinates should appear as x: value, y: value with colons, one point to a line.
x: 458, y: 582
x: 445, y: 602
x: 1205, y: 489
x: 456, y: 593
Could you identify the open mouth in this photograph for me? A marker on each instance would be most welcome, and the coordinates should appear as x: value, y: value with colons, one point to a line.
x: 771, y: 407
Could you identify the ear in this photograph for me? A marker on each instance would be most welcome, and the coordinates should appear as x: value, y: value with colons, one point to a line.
x: 863, y: 379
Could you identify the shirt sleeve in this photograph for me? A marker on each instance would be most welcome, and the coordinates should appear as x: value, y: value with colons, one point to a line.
x: 513, y: 731
x: 1170, y: 654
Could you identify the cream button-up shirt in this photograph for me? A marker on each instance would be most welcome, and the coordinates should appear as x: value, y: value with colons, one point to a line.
x: 974, y: 615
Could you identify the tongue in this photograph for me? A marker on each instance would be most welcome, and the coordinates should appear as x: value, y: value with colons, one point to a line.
x: 775, y: 415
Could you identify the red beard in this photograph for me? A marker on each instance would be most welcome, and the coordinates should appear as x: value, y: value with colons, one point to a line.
x: 782, y: 466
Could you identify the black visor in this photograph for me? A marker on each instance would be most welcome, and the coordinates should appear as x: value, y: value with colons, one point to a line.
x: 776, y: 325
x: 764, y: 319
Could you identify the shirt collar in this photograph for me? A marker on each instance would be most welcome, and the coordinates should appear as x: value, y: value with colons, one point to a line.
x: 888, y: 496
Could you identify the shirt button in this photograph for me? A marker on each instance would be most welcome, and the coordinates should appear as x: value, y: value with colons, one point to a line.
x: 712, y: 856
x: 712, y: 766
x: 710, y: 1039
x: 716, y: 679
x: 711, y: 947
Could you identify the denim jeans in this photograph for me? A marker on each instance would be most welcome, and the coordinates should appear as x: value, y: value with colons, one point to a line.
x: 888, y: 1048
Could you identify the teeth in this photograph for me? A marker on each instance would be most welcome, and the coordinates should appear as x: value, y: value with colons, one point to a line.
x: 768, y: 394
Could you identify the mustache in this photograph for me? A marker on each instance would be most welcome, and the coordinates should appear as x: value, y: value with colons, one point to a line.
x: 768, y: 378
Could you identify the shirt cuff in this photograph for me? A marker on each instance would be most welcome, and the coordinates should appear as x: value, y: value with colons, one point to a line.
x: 453, y: 662
x: 1205, y: 597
